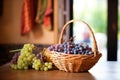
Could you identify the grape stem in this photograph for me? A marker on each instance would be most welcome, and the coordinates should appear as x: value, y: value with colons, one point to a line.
x: 14, y: 50
x: 43, y: 50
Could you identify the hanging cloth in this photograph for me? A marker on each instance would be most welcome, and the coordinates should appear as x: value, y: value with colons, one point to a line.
x: 28, y: 15
x: 48, y: 17
x: 41, y: 9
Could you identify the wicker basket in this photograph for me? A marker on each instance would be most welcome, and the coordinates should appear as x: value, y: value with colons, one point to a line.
x: 76, y: 62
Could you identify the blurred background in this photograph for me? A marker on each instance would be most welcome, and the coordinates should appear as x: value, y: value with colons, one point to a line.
x: 42, y: 23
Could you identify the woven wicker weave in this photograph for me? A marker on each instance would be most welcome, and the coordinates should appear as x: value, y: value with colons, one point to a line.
x: 76, y: 62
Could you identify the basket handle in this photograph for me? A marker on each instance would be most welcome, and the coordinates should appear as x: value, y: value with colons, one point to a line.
x: 95, y: 48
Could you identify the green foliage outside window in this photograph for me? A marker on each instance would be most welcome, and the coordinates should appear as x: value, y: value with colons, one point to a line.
x: 96, y: 15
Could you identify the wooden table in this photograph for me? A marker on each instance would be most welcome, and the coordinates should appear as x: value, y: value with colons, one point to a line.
x: 101, y: 71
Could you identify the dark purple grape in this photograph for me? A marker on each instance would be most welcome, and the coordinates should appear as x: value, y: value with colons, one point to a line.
x: 59, y: 50
x: 38, y: 56
x: 83, y: 52
x: 57, y: 46
x: 90, y: 49
x: 15, y: 58
x: 65, y: 46
x: 72, y: 52
x: 76, y: 45
x: 70, y: 46
x: 81, y: 48
x: 65, y: 51
x: 51, y: 48
x: 68, y: 52
x: 61, y: 45
x: 56, y: 49
x: 75, y: 52
x: 36, y: 50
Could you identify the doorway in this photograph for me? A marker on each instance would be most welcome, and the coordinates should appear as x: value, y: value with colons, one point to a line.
x: 95, y: 14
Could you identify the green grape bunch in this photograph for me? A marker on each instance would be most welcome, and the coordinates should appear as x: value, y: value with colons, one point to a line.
x: 30, y: 56
x: 26, y: 56
x: 39, y: 65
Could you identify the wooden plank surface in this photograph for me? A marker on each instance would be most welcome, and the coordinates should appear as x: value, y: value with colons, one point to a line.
x: 101, y: 71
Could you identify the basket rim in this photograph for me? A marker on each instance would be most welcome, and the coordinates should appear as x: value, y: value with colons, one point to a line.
x: 94, y: 47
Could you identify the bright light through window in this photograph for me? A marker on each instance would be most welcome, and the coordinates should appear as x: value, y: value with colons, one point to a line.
x: 94, y: 12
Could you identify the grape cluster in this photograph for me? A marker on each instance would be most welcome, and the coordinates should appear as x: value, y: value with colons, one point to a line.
x: 26, y: 56
x: 38, y: 65
x: 15, y: 58
x: 69, y: 47
x: 30, y: 57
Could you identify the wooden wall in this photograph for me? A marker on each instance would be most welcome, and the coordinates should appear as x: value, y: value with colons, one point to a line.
x: 10, y: 27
